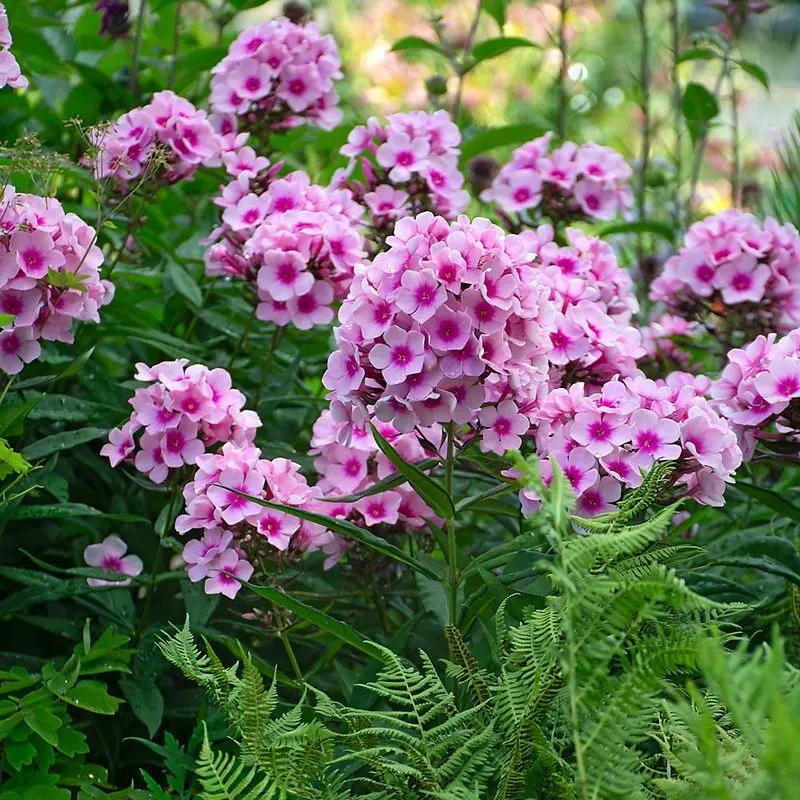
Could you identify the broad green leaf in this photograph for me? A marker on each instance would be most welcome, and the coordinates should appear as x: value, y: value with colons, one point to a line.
x: 426, y: 487
x: 43, y: 722
x: 696, y: 54
x: 758, y: 72
x: 64, y: 511
x: 184, y: 283
x: 496, y: 9
x: 699, y: 107
x: 92, y: 696
x: 492, y: 48
x: 771, y: 499
x: 12, y: 418
x: 350, y: 530
x: 772, y: 554
x: 499, y: 137
x: 59, y: 442
x: 416, y: 43
x: 341, y: 630
x: 641, y: 226
x: 146, y: 702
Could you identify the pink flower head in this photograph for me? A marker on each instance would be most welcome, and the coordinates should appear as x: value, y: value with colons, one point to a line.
x: 400, y: 355
x: 780, y: 382
x: 379, y: 508
x: 599, y: 433
x: 653, y: 437
x: 504, y: 427
x: 200, y: 553
x: 110, y: 556
x: 599, y: 498
x: 420, y: 294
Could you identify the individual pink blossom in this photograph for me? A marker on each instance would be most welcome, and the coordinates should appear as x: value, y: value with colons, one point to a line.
x: 600, y: 497
x: 110, y: 556
x: 503, y: 427
x: 380, y: 508
x: 399, y: 355
x: 10, y: 74
x: 226, y: 573
x: 200, y: 553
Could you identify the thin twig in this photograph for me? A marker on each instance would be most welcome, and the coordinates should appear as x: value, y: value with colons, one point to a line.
x: 137, y: 46
x: 677, y: 96
x: 736, y: 189
x: 561, y: 123
x: 644, y: 158
x: 461, y: 67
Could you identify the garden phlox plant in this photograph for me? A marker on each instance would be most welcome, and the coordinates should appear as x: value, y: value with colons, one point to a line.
x: 736, y: 274
x: 49, y: 276
x: 408, y: 164
x: 163, y: 141
x: 570, y: 182
x: 603, y: 440
x: 181, y: 413
x: 758, y: 392
x: 236, y: 532
x: 295, y: 242
x: 10, y: 73
x: 349, y: 466
x: 277, y: 75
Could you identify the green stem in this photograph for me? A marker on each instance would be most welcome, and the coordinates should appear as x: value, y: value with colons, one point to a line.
x: 287, y: 645
x: 176, y: 43
x: 137, y: 46
x: 9, y: 382
x: 561, y: 122
x: 245, y: 334
x: 453, y: 577
x: 273, y: 346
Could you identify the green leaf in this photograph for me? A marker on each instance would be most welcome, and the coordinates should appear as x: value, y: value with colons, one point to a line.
x: 492, y: 48
x: 66, y: 280
x: 184, y: 283
x: 64, y: 511
x: 12, y: 418
x: 44, y: 723
x: 758, y: 72
x: 433, y: 595
x: 696, y: 54
x: 6, y: 319
x: 771, y: 499
x: 416, y: 43
x: 146, y: 701
x: 348, y: 529
x: 59, y: 442
x: 771, y: 554
x: 426, y: 487
x: 341, y: 630
x: 500, y: 137
x: 699, y: 107
x: 75, y: 366
x: 496, y: 9
x: 92, y: 696
x: 641, y: 226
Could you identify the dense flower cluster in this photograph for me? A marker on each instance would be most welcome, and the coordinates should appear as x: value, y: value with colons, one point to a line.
x: 49, y: 276
x: 350, y: 465
x: 449, y: 319
x: 278, y: 75
x: 10, y: 73
x: 183, y: 411
x: 759, y: 390
x: 570, y: 182
x: 408, y: 165
x: 297, y: 243
x: 604, y: 440
x: 168, y: 136
x: 237, y: 531
x: 593, y: 339
x: 732, y: 266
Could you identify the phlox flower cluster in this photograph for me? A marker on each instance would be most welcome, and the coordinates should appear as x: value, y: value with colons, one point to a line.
x: 49, y: 276
x: 169, y: 128
x: 238, y: 532
x: 570, y: 182
x: 181, y: 413
x: 658, y: 338
x: 10, y: 73
x: 409, y: 164
x: 295, y: 242
x: 603, y: 440
x: 278, y: 75
x: 593, y: 339
x: 449, y: 324
x: 731, y: 266
x: 759, y: 388
x: 347, y: 466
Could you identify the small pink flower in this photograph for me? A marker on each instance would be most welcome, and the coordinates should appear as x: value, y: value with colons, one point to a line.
x: 344, y: 373
x: 742, y: 280
x: 199, y: 553
x: 379, y: 508
x: 599, y: 433
x: 599, y: 498
x: 503, y: 427
x: 225, y: 574
x: 596, y: 200
x: 110, y: 556
x: 402, y: 155
x: 284, y: 275
x: 580, y: 469
x: 18, y: 346
x: 386, y: 201
x: 781, y: 381
x: 120, y: 444
x: 448, y: 329
x: 278, y: 527
x: 227, y: 493
x: 420, y: 294
x: 653, y: 438
x: 180, y: 445
x: 312, y: 308
x: 400, y: 355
